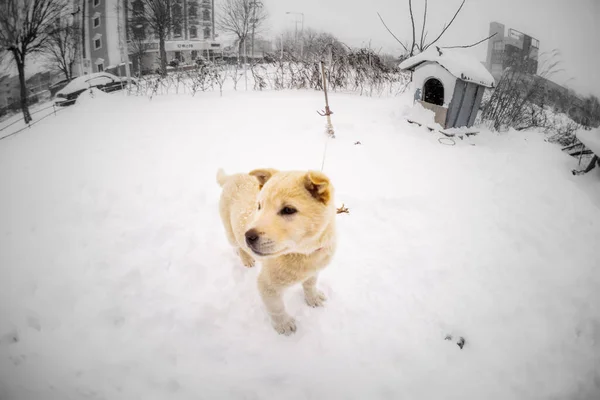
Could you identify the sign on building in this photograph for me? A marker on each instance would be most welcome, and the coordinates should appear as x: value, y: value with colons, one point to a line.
x: 181, y: 45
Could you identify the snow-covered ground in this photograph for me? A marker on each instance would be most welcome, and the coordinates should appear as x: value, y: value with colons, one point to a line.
x: 117, y: 282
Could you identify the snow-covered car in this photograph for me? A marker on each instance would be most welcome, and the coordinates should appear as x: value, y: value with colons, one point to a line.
x: 58, y: 86
x: 100, y: 80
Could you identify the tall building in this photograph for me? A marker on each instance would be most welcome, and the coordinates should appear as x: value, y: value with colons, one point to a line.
x: 102, y: 44
x: 112, y: 31
x: 504, y: 50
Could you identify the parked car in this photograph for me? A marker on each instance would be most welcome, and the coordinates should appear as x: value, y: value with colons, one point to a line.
x: 57, y: 86
x: 99, y: 80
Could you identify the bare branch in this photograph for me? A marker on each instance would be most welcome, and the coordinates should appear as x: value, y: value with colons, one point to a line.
x: 412, y: 21
x: 470, y: 45
x: 25, y: 26
x: 446, y: 26
x: 391, y: 33
x: 423, y: 28
x: 239, y: 17
x: 61, y: 49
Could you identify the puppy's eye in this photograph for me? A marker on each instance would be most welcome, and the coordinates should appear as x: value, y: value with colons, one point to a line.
x: 259, y: 206
x: 288, y: 211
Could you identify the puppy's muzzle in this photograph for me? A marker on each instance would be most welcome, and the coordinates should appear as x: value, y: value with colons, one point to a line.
x: 259, y: 245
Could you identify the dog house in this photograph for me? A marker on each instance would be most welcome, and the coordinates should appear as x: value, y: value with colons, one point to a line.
x: 449, y: 83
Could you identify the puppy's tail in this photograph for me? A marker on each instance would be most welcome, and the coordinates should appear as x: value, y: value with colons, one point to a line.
x: 221, y: 177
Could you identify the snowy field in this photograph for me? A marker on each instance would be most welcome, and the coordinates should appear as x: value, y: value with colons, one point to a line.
x: 117, y: 281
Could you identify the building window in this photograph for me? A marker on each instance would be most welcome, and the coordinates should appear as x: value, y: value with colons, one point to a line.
x: 100, y: 67
x: 206, y: 14
x: 206, y: 33
x: 177, y: 19
x: 192, y: 10
x: 515, y: 34
x: 96, y: 21
x: 138, y: 32
x: 96, y: 3
x: 193, y: 32
x: 97, y: 43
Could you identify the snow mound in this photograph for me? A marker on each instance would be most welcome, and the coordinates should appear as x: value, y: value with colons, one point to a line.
x: 90, y: 95
x: 423, y: 116
x: 117, y: 280
x: 591, y: 139
x: 458, y: 63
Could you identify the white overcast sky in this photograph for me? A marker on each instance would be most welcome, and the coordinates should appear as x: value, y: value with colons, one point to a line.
x: 571, y: 26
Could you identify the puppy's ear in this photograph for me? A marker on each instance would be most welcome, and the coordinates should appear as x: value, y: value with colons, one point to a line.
x: 318, y: 185
x: 263, y: 175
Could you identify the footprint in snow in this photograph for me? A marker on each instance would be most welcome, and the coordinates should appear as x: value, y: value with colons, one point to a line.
x: 460, y: 342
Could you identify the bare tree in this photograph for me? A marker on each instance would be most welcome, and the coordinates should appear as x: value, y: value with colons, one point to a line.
x: 25, y: 27
x: 316, y: 45
x: 138, y: 47
x: 61, y: 48
x: 241, y: 18
x: 156, y: 14
x: 137, y: 36
x: 420, y: 45
x: 591, y: 108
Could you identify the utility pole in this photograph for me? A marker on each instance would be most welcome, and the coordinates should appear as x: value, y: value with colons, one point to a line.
x: 296, y: 31
x: 253, y: 27
x: 80, y: 44
x: 212, y: 28
x: 126, y: 44
x: 82, y: 36
x: 245, y: 66
x: 121, y: 22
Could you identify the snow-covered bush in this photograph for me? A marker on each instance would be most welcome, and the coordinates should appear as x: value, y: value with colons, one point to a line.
x: 359, y: 70
x: 524, y: 101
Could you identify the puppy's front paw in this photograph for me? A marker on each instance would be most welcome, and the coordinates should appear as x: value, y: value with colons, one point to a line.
x: 286, y: 326
x: 247, y: 259
x: 317, y: 299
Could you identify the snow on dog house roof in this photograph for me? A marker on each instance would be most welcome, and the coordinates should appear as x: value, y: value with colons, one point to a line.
x: 459, y: 64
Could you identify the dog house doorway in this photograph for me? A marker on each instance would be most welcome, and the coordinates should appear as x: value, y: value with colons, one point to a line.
x: 433, y: 92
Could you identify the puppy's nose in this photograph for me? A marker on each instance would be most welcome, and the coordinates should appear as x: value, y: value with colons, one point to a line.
x: 251, y: 237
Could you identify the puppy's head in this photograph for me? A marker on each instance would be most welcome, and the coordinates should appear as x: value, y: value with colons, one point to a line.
x: 292, y: 211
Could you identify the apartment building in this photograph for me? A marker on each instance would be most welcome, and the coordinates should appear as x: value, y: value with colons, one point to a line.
x: 112, y: 31
x: 102, y: 42
x: 506, y: 47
